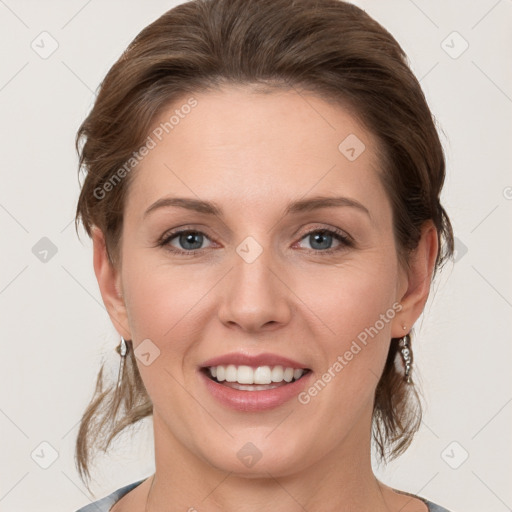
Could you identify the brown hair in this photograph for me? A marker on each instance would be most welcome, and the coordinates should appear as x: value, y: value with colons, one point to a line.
x: 328, y: 47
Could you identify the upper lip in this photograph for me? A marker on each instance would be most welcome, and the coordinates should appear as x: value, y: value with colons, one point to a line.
x: 255, y: 360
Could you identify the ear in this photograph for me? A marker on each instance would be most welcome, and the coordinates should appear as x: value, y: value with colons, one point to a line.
x: 416, y: 279
x: 109, y: 281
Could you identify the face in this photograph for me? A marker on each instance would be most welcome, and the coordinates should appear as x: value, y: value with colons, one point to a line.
x: 268, y: 273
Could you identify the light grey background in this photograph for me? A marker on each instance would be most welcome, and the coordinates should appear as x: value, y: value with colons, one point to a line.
x: 56, y: 332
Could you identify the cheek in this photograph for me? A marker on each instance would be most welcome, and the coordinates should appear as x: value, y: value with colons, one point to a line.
x: 163, y: 303
x: 358, y: 308
x: 351, y: 296
x: 358, y: 305
x: 162, y: 294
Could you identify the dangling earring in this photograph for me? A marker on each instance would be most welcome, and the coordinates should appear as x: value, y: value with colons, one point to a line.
x: 122, y: 349
x: 406, y: 353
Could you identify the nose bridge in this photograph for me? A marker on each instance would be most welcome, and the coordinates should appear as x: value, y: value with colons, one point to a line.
x: 255, y: 296
x: 254, y: 264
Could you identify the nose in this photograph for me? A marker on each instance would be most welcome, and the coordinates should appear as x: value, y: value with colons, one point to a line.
x: 255, y: 296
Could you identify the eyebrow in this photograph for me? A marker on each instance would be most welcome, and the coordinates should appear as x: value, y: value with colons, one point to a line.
x: 294, y: 207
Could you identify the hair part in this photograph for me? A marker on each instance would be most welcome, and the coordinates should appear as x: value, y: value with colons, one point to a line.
x: 327, y: 47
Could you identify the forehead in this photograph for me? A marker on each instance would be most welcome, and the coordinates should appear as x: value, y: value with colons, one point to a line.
x: 236, y: 144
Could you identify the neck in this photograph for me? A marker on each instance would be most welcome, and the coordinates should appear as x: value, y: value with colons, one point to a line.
x: 341, y: 480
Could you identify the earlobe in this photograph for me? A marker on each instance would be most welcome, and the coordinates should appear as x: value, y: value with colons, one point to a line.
x: 418, y: 277
x: 108, y: 278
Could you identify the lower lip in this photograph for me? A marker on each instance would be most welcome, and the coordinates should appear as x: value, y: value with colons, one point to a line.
x: 249, y: 401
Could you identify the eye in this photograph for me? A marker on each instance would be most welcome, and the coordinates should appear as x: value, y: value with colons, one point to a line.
x: 189, y: 241
x: 321, y: 240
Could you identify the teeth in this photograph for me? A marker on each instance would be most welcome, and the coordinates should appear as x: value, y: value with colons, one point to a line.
x: 260, y: 375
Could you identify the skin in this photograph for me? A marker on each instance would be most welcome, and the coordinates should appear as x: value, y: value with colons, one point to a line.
x: 252, y: 154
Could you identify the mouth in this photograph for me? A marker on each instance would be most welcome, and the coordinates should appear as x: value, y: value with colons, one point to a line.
x: 248, y: 378
x: 252, y: 389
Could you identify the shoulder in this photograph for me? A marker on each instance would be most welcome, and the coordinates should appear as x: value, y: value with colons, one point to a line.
x: 105, y: 504
x: 433, y: 507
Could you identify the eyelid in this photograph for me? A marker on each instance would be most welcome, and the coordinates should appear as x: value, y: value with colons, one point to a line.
x: 324, y: 227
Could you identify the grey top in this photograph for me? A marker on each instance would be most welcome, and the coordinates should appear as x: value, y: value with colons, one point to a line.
x: 105, y: 504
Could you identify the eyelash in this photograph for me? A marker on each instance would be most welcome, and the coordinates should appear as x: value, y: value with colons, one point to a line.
x: 345, y: 240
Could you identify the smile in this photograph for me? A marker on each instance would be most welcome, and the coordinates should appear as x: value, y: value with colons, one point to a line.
x: 247, y: 378
x: 249, y: 388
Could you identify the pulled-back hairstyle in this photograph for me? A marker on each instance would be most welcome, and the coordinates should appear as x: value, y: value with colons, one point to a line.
x: 328, y: 47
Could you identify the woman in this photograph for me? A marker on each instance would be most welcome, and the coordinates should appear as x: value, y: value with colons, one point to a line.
x: 289, y: 143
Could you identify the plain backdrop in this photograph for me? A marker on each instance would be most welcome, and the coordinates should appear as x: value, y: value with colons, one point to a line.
x: 56, y: 333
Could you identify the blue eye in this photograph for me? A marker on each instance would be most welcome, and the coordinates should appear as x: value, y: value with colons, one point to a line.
x: 190, y: 241
x: 324, y: 237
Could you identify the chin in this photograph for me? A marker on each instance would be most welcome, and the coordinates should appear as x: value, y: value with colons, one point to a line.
x: 259, y: 458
